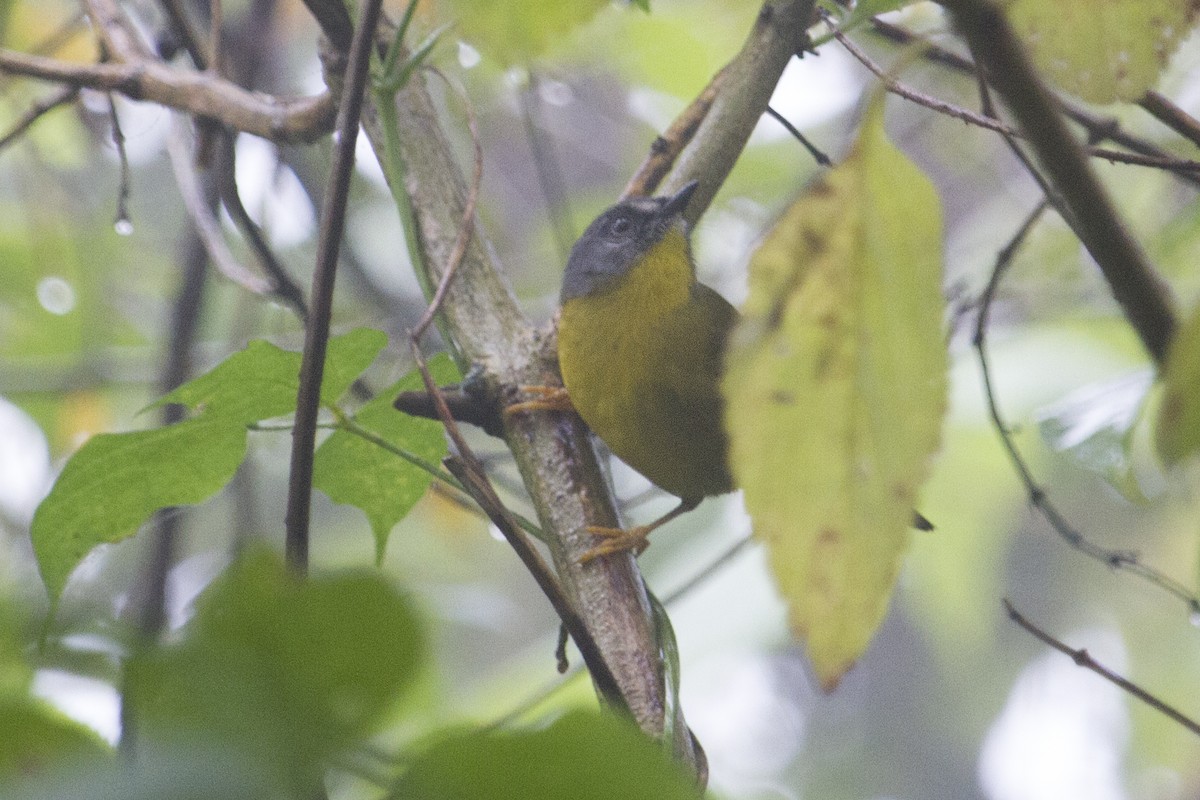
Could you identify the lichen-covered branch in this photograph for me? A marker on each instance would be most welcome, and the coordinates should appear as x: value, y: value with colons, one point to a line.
x: 553, y: 450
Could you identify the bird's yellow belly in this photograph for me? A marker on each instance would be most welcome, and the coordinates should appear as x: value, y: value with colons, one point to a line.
x: 625, y: 383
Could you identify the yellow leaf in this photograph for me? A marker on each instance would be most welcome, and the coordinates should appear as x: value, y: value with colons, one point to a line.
x: 1103, y: 50
x: 836, y: 388
x: 1177, y: 434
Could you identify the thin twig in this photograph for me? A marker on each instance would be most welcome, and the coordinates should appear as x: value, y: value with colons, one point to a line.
x: 1098, y: 127
x: 1082, y: 658
x: 467, y: 224
x: 121, y: 219
x: 204, y: 220
x: 283, y: 287
x: 817, y: 155
x: 61, y: 97
x: 316, y: 334
x: 667, y: 147
x: 1132, y: 279
x: 1171, y: 115
x: 469, y: 471
x: 1117, y: 559
x: 970, y: 117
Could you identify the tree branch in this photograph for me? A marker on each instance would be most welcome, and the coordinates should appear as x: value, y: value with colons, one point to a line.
x: 316, y: 332
x: 553, y: 451
x: 293, y: 119
x: 1131, y: 278
x: 745, y: 89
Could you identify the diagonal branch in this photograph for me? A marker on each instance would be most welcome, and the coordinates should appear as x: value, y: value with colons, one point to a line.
x: 1131, y: 277
x: 553, y: 451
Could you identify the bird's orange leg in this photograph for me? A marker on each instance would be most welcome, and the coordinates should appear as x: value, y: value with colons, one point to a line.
x: 619, y: 540
x: 549, y: 398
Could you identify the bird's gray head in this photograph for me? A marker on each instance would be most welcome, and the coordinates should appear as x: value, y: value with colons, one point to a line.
x: 617, y: 239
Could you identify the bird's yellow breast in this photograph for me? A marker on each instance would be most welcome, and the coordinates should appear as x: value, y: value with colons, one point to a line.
x: 635, y: 363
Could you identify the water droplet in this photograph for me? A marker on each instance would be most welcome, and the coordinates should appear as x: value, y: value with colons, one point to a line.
x: 56, y: 295
x: 1194, y: 618
x: 467, y: 56
x: 123, y: 227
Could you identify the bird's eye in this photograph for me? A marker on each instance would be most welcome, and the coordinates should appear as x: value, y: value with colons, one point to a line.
x: 621, y: 226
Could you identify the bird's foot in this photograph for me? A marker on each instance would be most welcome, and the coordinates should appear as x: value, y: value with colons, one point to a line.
x: 618, y: 540
x: 549, y: 398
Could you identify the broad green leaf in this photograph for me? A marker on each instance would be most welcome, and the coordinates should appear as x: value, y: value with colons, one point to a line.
x: 518, y: 31
x: 347, y: 357
x: 261, y: 381
x: 117, y: 480
x: 583, y: 756
x: 836, y: 388
x: 360, y: 473
x: 1177, y: 434
x: 1103, y: 51
x: 288, y: 673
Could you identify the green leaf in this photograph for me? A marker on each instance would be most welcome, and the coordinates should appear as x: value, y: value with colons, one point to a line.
x: 584, y: 756
x: 117, y: 480
x: 1177, y: 434
x: 836, y: 389
x: 288, y: 673
x: 1103, y: 52
x: 262, y: 380
x: 517, y: 31
x: 347, y: 357
x: 360, y: 473
x: 256, y: 383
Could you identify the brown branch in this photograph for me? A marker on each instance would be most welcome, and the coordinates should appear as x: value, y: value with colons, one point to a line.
x: 462, y: 405
x: 900, y: 89
x: 1082, y: 658
x: 1124, y: 560
x: 117, y: 34
x: 1132, y: 279
x: 1098, y: 127
x: 667, y: 147
x: 43, y: 106
x: 780, y: 31
x: 294, y: 119
x: 1171, y: 115
x: 316, y: 333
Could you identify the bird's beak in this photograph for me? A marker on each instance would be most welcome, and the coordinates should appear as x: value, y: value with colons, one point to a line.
x: 678, y: 202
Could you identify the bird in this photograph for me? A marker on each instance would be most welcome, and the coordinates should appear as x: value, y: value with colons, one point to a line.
x: 640, y: 347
